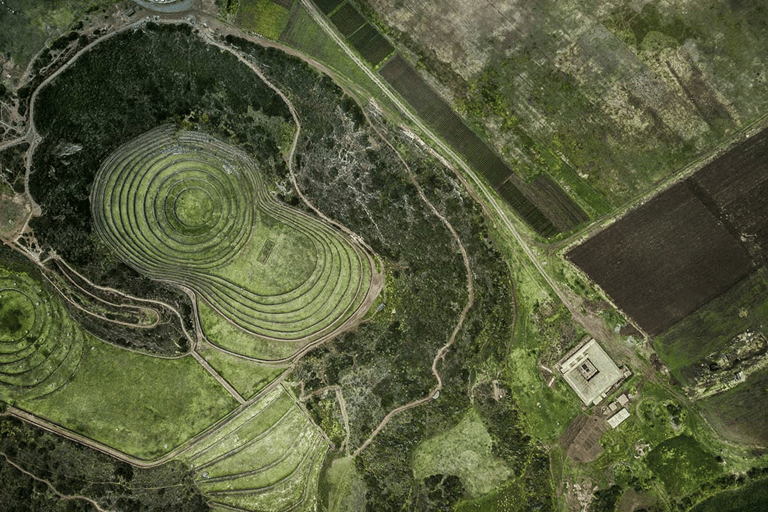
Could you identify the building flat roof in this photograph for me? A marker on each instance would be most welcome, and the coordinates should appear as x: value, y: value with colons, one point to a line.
x: 590, y: 372
x: 618, y: 418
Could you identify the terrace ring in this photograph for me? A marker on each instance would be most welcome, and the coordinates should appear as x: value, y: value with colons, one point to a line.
x: 39, y: 349
x: 163, y: 205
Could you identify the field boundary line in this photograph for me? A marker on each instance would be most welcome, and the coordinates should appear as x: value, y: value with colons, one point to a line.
x: 221, y: 380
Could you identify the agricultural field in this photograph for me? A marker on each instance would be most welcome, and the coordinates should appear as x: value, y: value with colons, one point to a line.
x: 247, y: 377
x: 738, y: 414
x: 665, y: 259
x: 347, y: 19
x: 141, y: 405
x: 265, y: 17
x: 267, y: 458
x: 546, y: 208
x: 737, y: 185
x: 40, y: 347
x: 623, y: 94
x: 252, y: 279
x: 371, y: 44
x: 687, y: 345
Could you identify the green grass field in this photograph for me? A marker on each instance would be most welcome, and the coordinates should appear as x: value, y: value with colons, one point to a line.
x: 682, y: 464
x: 263, y: 17
x: 245, y: 376
x: 750, y: 498
x: 739, y: 413
x: 140, y: 405
x: 221, y: 332
x: 464, y: 451
x: 267, y: 458
x: 40, y: 347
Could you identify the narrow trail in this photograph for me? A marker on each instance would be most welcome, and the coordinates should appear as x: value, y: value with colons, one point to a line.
x: 342, y: 405
x: 52, y: 488
x: 462, y: 317
x: 226, y: 385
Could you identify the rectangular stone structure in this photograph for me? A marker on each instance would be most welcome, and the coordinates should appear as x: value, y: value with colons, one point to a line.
x: 589, y: 371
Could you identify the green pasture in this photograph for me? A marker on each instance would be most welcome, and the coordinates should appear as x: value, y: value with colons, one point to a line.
x: 267, y: 458
x: 221, y: 332
x: 264, y: 17
x: 750, y: 498
x: 247, y: 377
x: 345, y: 486
x: 290, y: 264
x: 255, y: 426
x: 682, y: 464
x: 140, y: 405
x: 739, y: 413
x: 464, y: 451
x: 234, y: 424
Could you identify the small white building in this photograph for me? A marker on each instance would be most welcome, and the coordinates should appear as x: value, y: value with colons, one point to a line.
x: 618, y: 418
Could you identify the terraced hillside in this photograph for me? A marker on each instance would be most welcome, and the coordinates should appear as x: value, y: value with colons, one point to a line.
x: 40, y: 349
x: 188, y: 209
x: 267, y: 458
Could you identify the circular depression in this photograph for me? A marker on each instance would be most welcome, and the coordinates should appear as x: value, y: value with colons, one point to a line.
x: 17, y: 315
x: 160, y: 204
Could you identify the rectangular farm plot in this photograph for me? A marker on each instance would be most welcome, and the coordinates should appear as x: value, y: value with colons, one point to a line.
x: 347, y: 20
x: 533, y: 202
x: 371, y: 44
x: 665, y: 259
x: 737, y: 183
x: 327, y: 6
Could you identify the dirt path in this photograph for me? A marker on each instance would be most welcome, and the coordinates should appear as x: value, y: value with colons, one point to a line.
x: 226, y: 385
x: 470, y: 301
x: 342, y: 405
x: 52, y: 488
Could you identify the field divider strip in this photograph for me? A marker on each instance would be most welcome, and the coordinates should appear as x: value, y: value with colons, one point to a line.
x: 221, y: 380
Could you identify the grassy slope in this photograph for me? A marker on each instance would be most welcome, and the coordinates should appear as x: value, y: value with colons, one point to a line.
x: 464, y: 451
x: 140, y: 405
x: 222, y: 333
x: 263, y: 17
x: 752, y: 498
x: 739, y: 414
x: 682, y: 464
x: 245, y: 376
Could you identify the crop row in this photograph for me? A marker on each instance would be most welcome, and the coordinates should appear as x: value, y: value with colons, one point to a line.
x: 542, y: 204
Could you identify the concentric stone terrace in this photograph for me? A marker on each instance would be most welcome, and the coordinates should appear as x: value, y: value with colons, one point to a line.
x: 40, y: 349
x: 186, y: 208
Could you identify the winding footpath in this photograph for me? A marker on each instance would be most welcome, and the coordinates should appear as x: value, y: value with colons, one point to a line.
x: 52, y: 488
